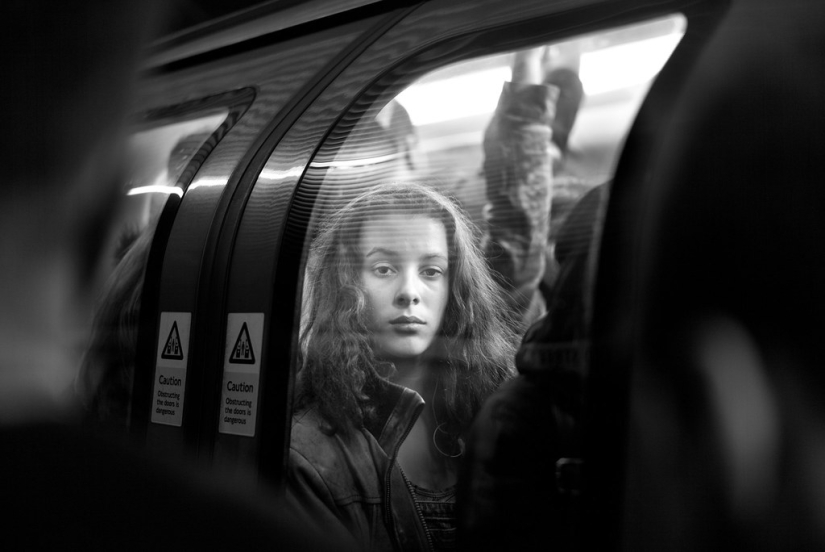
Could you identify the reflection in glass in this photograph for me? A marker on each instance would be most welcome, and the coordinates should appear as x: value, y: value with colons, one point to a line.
x: 158, y: 158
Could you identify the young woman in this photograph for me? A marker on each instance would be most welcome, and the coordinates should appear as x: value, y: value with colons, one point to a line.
x: 404, y: 334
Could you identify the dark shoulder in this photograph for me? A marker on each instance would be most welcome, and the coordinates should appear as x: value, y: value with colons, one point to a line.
x: 517, y: 406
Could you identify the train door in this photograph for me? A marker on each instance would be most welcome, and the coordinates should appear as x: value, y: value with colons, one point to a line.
x: 258, y: 88
x: 167, y: 148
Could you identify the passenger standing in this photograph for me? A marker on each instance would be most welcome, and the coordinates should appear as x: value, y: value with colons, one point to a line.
x: 519, y: 487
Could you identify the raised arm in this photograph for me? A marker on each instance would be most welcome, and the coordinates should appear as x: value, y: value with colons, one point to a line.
x: 518, y: 168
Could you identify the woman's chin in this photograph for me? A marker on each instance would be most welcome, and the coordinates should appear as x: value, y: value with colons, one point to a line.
x: 400, y: 349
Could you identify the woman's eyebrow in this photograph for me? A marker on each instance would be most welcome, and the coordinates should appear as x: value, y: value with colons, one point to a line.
x: 393, y: 253
x: 381, y: 250
x: 439, y: 256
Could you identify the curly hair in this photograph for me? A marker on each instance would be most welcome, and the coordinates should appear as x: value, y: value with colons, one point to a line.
x: 474, y: 349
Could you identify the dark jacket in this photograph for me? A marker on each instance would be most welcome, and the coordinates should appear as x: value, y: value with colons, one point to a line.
x: 513, y: 494
x: 351, y: 480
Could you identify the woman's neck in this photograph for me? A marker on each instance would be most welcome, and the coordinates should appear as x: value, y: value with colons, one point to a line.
x: 412, y: 374
x: 418, y: 456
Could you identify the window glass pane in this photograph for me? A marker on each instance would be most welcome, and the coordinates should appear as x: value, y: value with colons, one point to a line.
x: 158, y: 157
x: 407, y: 300
x: 161, y: 155
x: 445, y: 129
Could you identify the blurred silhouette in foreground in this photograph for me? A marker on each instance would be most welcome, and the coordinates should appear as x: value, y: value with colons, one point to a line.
x: 727, y: 425
x: 68, y: 69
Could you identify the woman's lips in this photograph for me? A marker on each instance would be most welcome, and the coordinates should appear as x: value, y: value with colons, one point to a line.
x: 407, y: 324
x: 407, y: 320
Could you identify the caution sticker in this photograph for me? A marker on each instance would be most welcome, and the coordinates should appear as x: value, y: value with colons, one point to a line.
x: 241, y: 371
x: 170, y: 368
x: 242, y: 352
x: 173, y: 350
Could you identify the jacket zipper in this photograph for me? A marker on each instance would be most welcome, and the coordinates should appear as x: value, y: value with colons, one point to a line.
x: 387, y: 486
x: 431, y: 546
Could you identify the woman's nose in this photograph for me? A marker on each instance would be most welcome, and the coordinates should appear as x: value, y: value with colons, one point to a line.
x: 408, y: 293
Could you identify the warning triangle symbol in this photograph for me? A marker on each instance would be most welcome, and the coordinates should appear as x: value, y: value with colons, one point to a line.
x: 242, y: 351
x: 173, y: 349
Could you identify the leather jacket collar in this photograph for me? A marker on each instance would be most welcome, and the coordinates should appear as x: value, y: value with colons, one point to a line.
x: 396, y: 410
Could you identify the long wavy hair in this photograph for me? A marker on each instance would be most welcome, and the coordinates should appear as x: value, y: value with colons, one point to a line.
x: 472, y: 354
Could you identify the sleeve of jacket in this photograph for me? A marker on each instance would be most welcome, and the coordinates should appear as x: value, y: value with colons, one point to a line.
x: 518, y: 169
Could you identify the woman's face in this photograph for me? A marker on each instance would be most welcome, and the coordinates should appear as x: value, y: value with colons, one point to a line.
x: 405, y: 274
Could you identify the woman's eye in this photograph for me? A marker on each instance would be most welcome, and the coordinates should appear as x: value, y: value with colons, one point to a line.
x: 382, y: 270
x: 432, y: 272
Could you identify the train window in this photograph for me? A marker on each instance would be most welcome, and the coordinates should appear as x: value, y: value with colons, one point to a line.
x: 436, y: 129
x: 546, y: 123
x: 158, y: 156
x: 523, y: 145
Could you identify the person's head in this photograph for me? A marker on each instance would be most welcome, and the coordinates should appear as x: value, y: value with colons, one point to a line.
x: 367, y: 156
x: 397, y: 274
x: 366, y: 153
x: 398, y: 123
x: 405, y: 278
